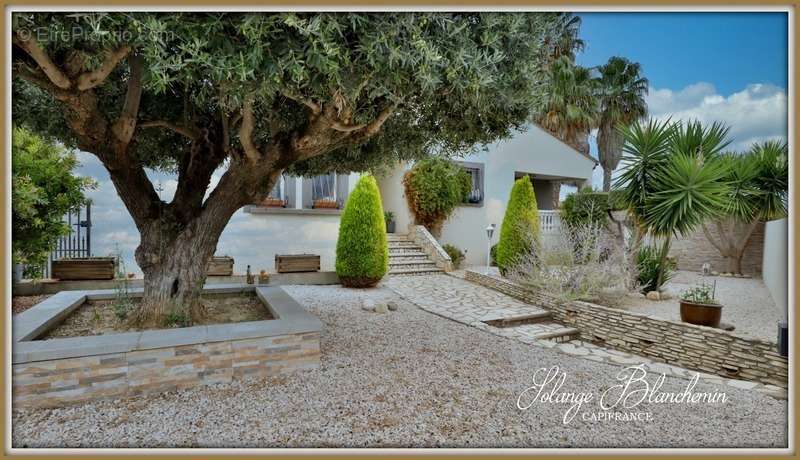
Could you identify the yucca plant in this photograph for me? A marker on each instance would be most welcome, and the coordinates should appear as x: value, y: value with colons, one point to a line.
x: 758, y: 187
x: 673, y: 178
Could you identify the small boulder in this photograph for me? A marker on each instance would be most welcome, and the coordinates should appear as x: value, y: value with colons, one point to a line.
x: 664, y: 295
x: 367, y: 305
x: 392, y: 305
x: 653, y: 295
x: 381, y: 308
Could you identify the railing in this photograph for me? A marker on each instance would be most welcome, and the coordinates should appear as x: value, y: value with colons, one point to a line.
x: 549, y: 221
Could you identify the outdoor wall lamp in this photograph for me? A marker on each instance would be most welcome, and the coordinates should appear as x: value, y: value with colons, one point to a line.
x: 489, y: 233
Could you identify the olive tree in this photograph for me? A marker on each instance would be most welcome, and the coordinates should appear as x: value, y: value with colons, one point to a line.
x: 257, y: 94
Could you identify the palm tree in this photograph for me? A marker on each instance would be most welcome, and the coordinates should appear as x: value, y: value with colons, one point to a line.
x: 621, y: 91
x: 570, y: 108
x: 565, y: 41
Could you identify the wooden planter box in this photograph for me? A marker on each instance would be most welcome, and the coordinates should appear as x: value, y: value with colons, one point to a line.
x: 273, y: 203
x: 325, y: 204
x: 296, y: 263
x: 91, y: 268
x: 220, y: 266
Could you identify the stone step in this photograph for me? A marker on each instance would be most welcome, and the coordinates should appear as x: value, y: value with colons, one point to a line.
x: 516, y: 320
x: 398, y: 258
x: 410, y: 265
x: 562, y: 334
x: 415, y: 271
x: 402, y: 244
x: 406, y: 252
x: 396, y: 237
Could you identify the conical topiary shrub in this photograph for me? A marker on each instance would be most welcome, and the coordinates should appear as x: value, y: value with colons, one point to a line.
x: 362, y: 253
x: 520, y: 229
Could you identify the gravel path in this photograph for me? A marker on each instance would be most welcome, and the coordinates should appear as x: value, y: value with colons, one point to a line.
x: 405, y: 378
x: 747, y: 303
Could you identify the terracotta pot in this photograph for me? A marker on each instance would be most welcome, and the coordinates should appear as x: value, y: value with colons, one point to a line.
x: 273, y: 203
x: 700, y: 313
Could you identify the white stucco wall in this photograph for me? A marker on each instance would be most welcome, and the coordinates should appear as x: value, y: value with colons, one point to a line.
x: 534, y: 151
x: 775, y: 266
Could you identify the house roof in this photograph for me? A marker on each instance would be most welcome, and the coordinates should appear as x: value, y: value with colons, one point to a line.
x: 585, y: 155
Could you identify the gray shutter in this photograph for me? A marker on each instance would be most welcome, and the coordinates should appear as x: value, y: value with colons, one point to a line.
x: 289, y: 191
x: 342, y: 188
x: 308, y: 199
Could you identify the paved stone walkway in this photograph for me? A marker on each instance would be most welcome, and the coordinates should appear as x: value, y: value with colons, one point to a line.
x: 454, y: 298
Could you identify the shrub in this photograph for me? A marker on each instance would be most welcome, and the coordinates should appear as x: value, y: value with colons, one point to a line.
x: 362, y: 253
x: 456, y: 255
x: 43, y: 189
x: 434, y: 187
x: 520, y: 230
x: 585, y: 207
x: 702, y: 293
x: 493, y: 255
x: 647, y: 264
x: 595, y: 270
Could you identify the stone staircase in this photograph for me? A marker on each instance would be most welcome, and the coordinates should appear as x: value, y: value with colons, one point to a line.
x: 408, y: 258
x: 538, y: 325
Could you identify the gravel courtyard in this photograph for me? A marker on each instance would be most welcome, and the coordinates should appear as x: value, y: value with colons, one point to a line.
x: 404, y: 379
x: 746, y: 302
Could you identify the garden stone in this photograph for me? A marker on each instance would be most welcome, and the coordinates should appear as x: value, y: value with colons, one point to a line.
x: 392, y: 305
x: 368, y: 305
x: 653, y: 295
x: 381, y: 308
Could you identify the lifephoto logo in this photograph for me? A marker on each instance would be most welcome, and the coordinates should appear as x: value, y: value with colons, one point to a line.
x: 623, y: 402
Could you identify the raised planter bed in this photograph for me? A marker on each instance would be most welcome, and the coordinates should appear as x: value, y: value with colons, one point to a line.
x: 62, y: 371
x: 220, y: 266
x: 295, y: 263
x: 90, y: 268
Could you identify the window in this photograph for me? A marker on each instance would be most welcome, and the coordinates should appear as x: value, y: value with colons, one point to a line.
x: 476, y: 193
x: 324, y: 188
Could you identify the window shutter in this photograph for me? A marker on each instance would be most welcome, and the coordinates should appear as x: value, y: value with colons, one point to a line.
x: 342, y: 188
x: 308, y: 199
x: 289, y: 191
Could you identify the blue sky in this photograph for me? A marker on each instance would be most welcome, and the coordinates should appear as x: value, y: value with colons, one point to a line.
x: 729, y: 50
x: 710, y: 66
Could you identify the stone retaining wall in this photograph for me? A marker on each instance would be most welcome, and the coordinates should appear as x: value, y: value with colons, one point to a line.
x: 59, y: 382
x: 693, y: 250
x: 694, y: 347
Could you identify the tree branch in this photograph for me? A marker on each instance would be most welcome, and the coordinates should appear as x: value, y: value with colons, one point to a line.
x: 36, y: 77
x: 89, y: 80
x: 31, y: 46
x: 710, y: 239
x: 125, y: 125
x: 182, y: 130
x: 246, y: 131
x: 316, y: 109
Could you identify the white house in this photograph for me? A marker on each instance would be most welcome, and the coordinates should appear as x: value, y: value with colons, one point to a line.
x: 307, y: 210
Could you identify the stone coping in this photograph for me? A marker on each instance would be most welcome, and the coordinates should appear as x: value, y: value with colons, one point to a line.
x: 289, y: 318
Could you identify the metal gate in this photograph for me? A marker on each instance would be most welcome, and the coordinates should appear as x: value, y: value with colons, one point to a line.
x: 78, y: 242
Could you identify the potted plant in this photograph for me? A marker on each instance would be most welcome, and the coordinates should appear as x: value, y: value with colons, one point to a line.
x: 388, y: 216
x: 698, y: 305
x: 325, y: 203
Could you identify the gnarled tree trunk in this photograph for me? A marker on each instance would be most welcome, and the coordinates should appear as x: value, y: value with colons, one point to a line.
x: 732, y: 239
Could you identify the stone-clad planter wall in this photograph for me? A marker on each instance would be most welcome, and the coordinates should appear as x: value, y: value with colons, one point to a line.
x: 50, y: 373
x: 694, y: 347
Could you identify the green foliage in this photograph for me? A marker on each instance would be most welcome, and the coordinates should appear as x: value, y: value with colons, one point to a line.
x: 759, y: 182
x: 456, y: 255
x: 388, y: 216
x: 44, y: 188
x: 460, y: 80
x: 585, y: 207
x: 434, y: 188
x: 647, y: 266
x: 702, y: 293
x: 493, y: 255
x: 362, y: 252
x: 520, y: 230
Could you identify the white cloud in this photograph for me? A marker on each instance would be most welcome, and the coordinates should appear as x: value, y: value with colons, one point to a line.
x: 756, y: 113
